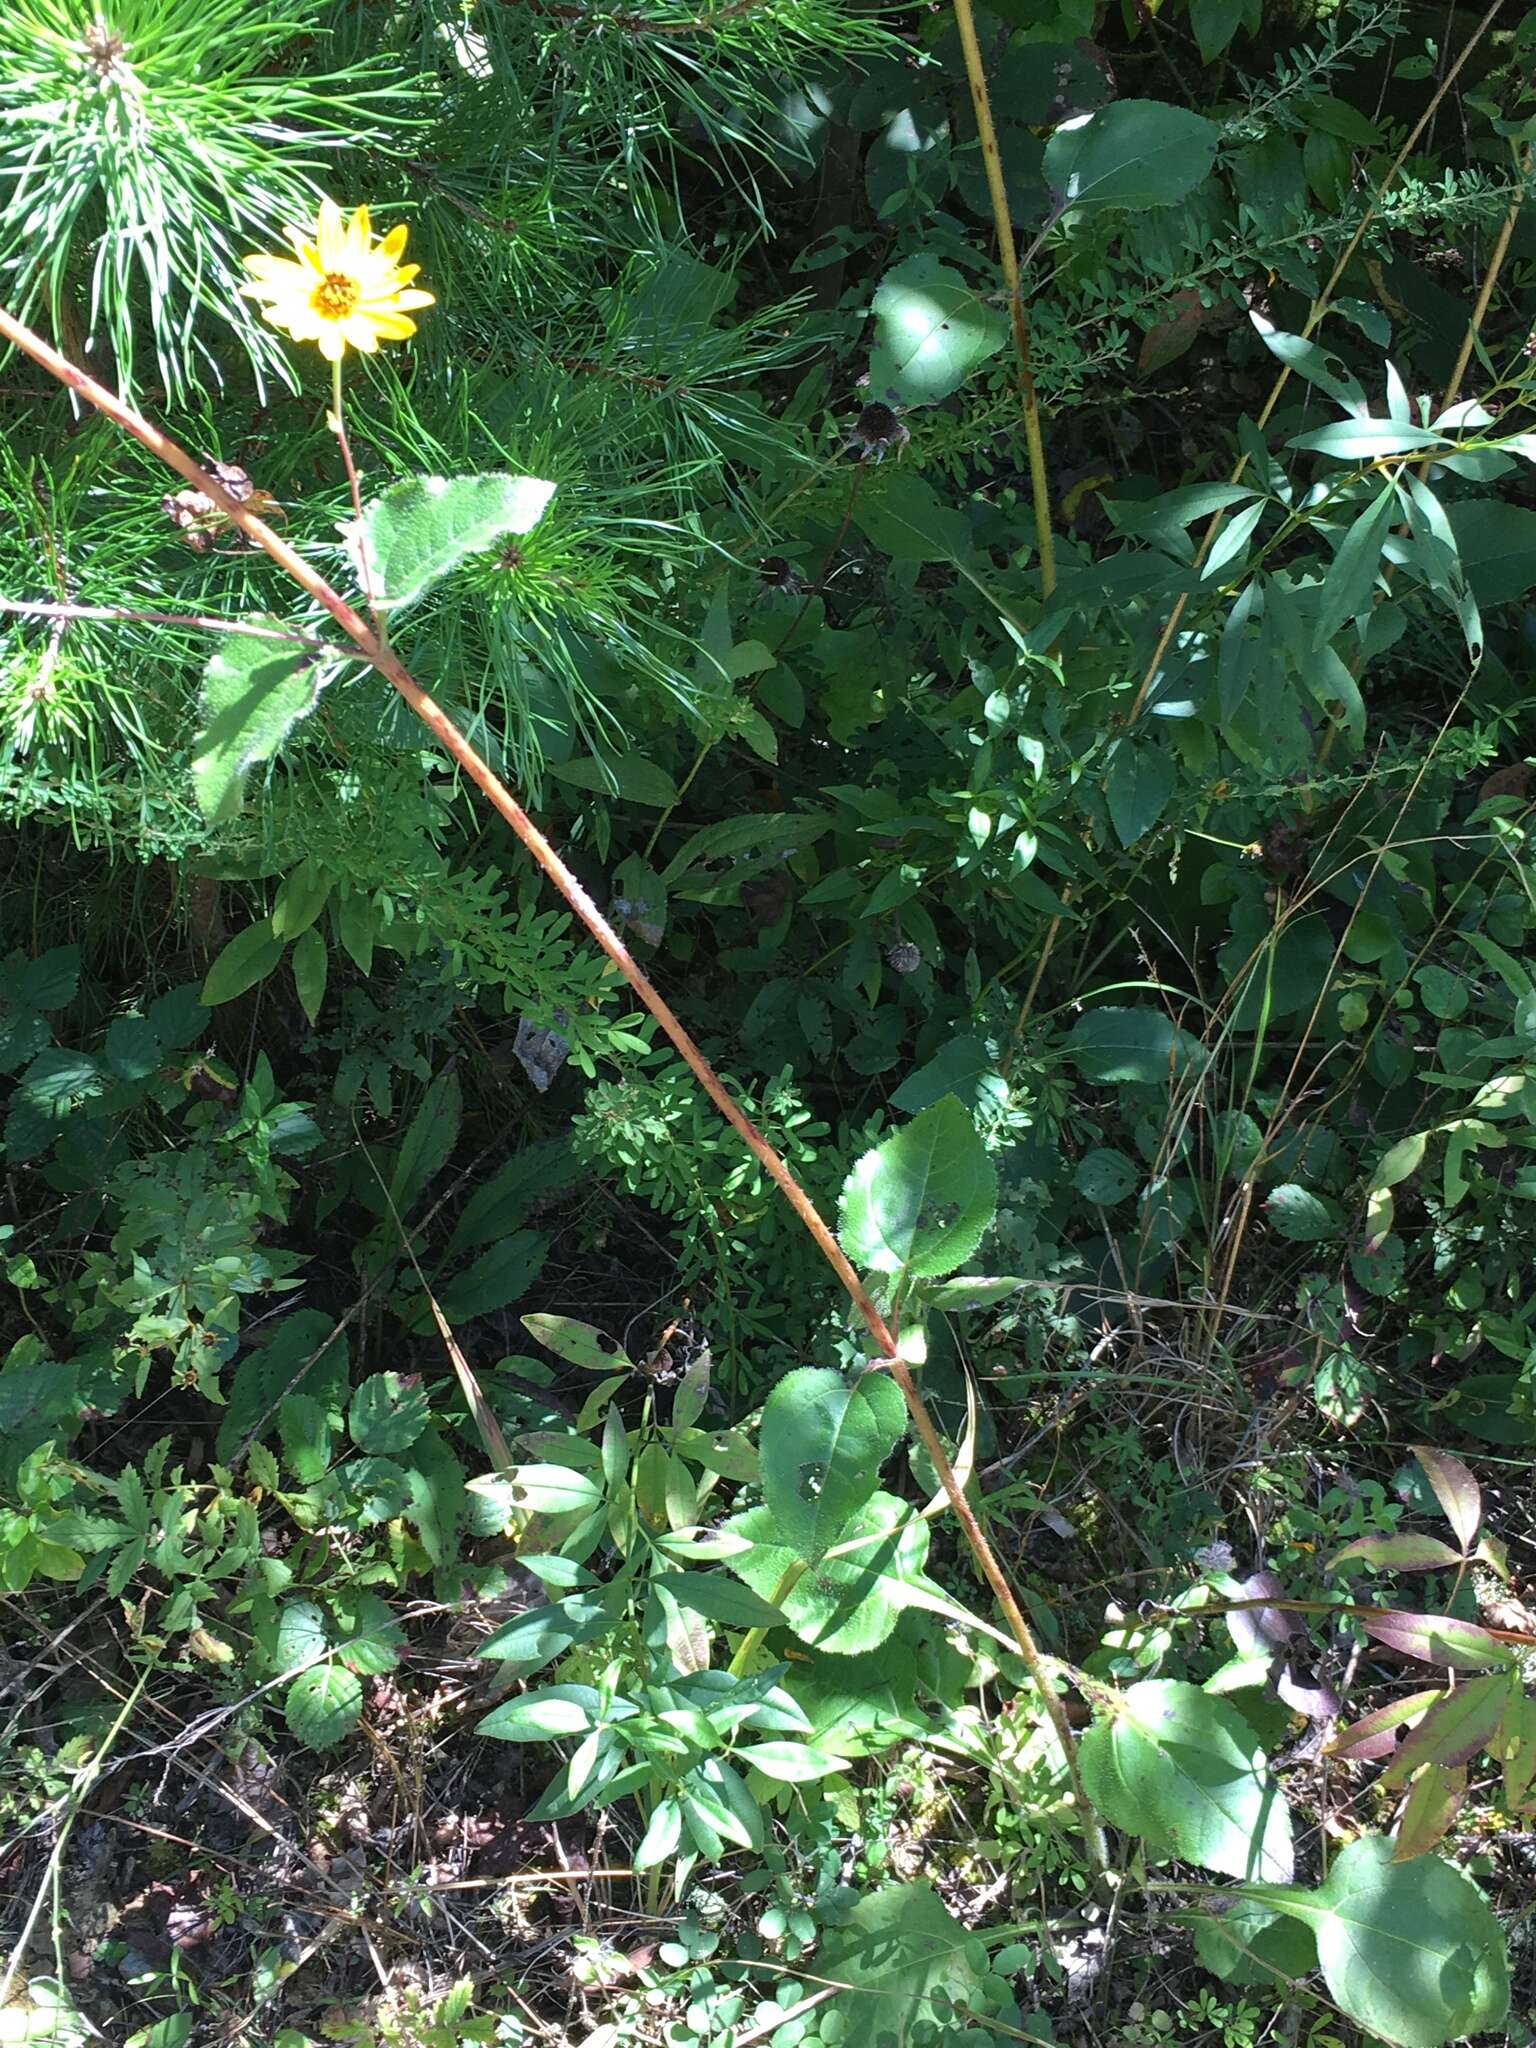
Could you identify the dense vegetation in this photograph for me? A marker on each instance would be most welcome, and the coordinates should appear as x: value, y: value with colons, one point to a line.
x: 997, y: 549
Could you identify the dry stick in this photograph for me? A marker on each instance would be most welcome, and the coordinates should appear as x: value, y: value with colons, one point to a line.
x: 200, y: 622
x: 1485, y: 296
x: 1320, y: 306
x: 1008, y: 256
x: 449, y: 737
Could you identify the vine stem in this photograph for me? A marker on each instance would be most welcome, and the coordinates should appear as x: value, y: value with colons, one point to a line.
x: 1008, y: 257
x: 382, y: 657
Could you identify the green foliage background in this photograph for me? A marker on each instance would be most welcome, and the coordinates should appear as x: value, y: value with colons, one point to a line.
x: 1135, y: 959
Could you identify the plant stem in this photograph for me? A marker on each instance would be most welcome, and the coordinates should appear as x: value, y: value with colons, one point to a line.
x: 125, y: 615
x: 1490, y: 279
x: 1008, y: 256
x: 79, y: 1792
x: 387, y: 662
x: 339, y: 425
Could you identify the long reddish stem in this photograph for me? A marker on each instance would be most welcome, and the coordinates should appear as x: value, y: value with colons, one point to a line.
x: 389, y: 665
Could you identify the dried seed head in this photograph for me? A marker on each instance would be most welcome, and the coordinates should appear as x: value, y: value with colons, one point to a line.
x: 877, y: 430
x: 904, y: 957
x: 105, y: 51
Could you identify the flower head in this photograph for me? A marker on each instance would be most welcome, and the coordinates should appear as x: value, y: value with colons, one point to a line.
x: 344, y: 291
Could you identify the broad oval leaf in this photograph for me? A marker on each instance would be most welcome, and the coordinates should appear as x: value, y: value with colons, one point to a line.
x: 1184, y: 1769
x: 932, y: 328
x: 822, y: 1443
x: 921, y: 1202
x: 847, y: 1603
x: 1131, y: 154
x: 907, y: 1966
x: 423, y: 526
x: 1252, y: 1944
x: 1131, y: 1043
x: 1408, y: 1950
x: 388, y: 1412
x: 324, y: 1705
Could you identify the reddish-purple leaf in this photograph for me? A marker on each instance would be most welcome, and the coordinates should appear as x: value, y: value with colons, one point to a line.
x: 1454, y: 1730
x: 1317, y: 1702
x: 1377, y: 1735
x: 1432, y: 1806
x: 1456, y: 1490
x: 1261, y: 1631
x: 1437, y: 1639
x: 1404, y: 1553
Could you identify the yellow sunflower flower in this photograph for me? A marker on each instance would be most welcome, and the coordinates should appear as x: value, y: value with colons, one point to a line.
x: 344, y: 291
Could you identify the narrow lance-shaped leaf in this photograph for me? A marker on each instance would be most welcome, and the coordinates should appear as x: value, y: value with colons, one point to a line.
x: 1432, y: 1805
x: 1352, y: 573
x: 920, y: 1202
x: 1437, y: 1639
x: 1377, y: 1734
x: 1454, y: 1729
x: 1456, y: 1490
x: 1405, y: 1552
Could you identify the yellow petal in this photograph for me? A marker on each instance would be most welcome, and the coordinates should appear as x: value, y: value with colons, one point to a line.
x: 279, y: 272
x: 391, y: 326
x: 332, y: 340
x: 393, y: 243
x: 407, y: 302
x: 358, y: 332
x: 330, y: 237
x: 362, y: 227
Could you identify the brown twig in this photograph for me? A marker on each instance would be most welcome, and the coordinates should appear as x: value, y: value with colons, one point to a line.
x: 448, y: 735
x: 125, y: 615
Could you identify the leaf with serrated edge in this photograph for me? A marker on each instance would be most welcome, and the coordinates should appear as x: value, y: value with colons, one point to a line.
x: 1182, y: 1767
x: 424, y: 526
